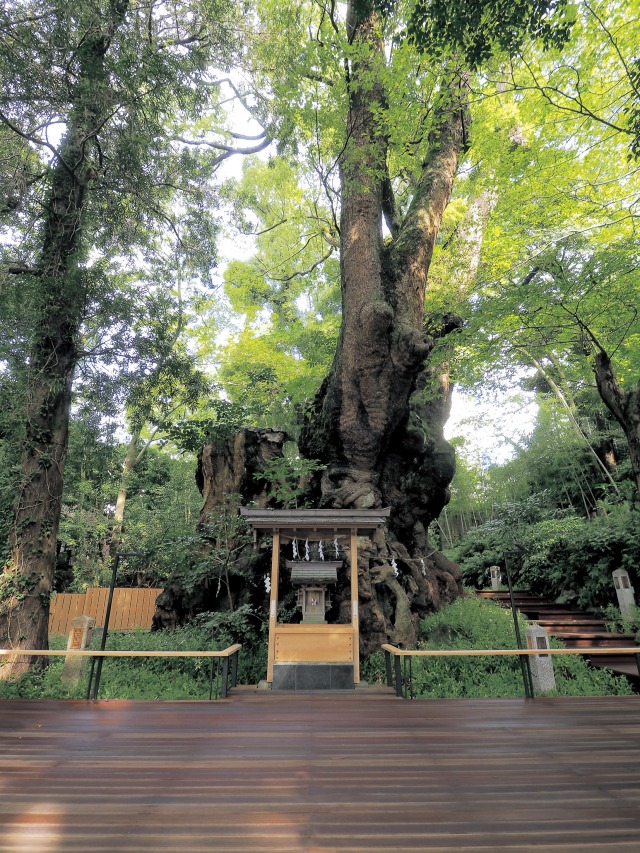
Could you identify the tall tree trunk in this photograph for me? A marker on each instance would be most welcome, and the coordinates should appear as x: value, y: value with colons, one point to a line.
x: 623, y: 405
x: 61, y: 290
x: 377, y: 420
x: 130, y: 460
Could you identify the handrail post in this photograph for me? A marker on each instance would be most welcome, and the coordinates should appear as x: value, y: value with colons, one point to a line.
x: 524, y: 659
x: 387, y: 666
x: 398, y: 676
x: 225, y: 676
x: 234, y: 667
x: 90, y: 682
x: 213, y: 660
x: 105, y: 627
x: 411, y: 677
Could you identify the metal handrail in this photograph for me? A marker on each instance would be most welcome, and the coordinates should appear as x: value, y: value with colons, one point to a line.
x: 402, y: 678
x: 228, y: 655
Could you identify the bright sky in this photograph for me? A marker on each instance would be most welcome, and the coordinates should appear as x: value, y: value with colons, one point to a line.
x: 492, y: 428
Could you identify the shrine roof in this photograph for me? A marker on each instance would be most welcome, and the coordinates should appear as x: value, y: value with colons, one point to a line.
x: 314, y: 571
x: 309, y: 521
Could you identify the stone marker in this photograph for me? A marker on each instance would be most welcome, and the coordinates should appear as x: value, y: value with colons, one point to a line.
x: 496, y: 577
x: 79, y: 638
x: 541, y: 665
x: 624, y: 591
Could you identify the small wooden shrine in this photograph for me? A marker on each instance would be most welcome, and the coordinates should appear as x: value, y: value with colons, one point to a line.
x: 314, y: 654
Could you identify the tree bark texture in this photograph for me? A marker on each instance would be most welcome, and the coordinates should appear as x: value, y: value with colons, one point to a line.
x: 128, y: 466
x: 623, y: 405
x: 377, y: 421
x: 231, y: 468
x: 61, y: 297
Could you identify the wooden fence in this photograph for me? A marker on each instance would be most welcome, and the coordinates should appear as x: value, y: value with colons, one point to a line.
x: 131, y: 608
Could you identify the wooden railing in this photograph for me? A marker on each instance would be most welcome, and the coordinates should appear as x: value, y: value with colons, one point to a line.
x: 400, y: 676
x: 132, y: 607
x: 229, y: 657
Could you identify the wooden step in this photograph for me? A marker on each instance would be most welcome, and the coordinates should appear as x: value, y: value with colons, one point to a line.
x: 524, y: 601
x: 621, y: 664
x: 574, y: 626
x: 599, y: 640
x: 503, y: 596
x: 573, y: 618
x: 577, y: 629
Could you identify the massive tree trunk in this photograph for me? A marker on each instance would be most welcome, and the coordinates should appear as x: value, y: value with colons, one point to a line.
x: 377, y: 421
x: 225, y: 470
x: 61, y: 297
x: 623, y: 405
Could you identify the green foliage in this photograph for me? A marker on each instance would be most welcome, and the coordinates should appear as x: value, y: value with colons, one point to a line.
x: 478, y: 29
x: 156, y: 678
x: 285, y: 294
x: 286, y: 475
x: 549, y: 193
x: 239, y: 626
x: 163, y: 507
x: 372, y: 669
x: 568, y: 557
x: 216, y: 560
x: 617, y: 623
x: 162, y: 510
x: 633, y: 112
x: 213, y: 423
x: 472, y: 623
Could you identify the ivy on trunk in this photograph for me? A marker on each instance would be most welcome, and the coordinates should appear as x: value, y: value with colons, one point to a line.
x: 61, y: 297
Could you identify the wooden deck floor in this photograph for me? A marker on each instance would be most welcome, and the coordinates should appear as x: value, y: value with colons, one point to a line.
x: 320, y: 773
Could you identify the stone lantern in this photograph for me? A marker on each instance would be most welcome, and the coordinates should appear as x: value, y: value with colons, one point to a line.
x: 496, y: 577
x: 624, y: 591
x: 541, y: 665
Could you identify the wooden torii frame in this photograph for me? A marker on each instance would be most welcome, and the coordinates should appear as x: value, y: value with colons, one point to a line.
x: 314, y: 644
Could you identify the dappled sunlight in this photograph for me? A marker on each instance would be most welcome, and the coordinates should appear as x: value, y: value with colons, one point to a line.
x: 38, y: 829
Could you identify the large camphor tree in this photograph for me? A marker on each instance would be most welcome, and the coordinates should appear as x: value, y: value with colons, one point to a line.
x: 393, y: 113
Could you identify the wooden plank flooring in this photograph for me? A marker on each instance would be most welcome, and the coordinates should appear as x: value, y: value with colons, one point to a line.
x: 318, y: 773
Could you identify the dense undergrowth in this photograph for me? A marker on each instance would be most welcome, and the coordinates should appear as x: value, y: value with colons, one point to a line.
x: 560, y: 556
x: 467, y: 623
x: 154, y: 678
x: 472, y: 623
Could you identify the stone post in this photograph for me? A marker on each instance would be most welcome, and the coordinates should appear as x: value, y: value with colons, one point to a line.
x: 79, y: 638
x: 541, y: 665
x: 624, y: 591
x: 496, y: 577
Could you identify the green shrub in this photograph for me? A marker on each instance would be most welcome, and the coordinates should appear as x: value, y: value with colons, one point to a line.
x: 155, y: 678
x: 617, y: 623
x: 473, y: 623
x: 566, y: 557
x: 372, y: 669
